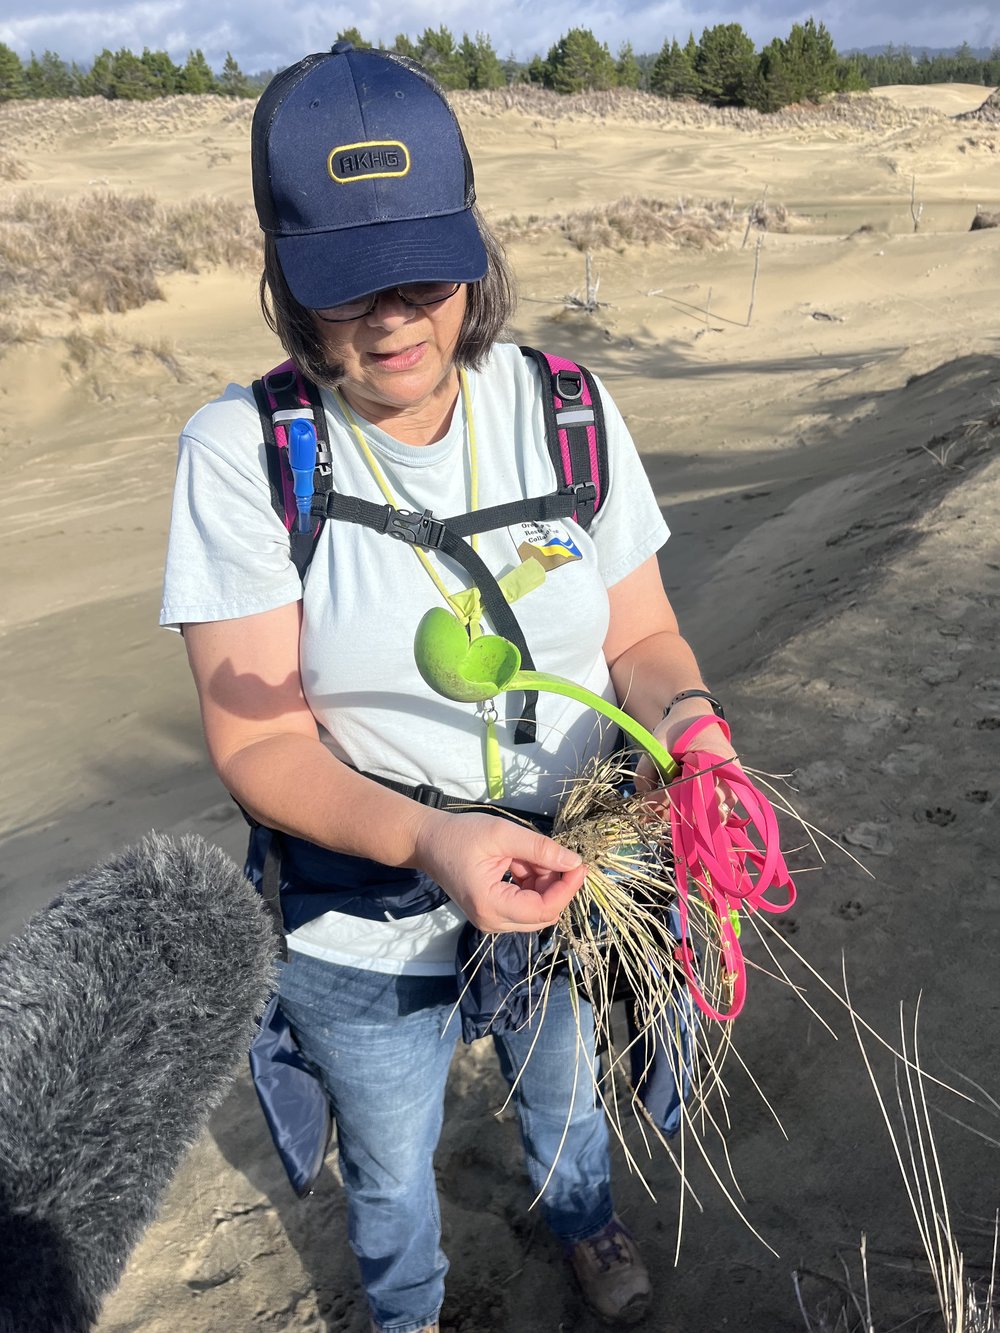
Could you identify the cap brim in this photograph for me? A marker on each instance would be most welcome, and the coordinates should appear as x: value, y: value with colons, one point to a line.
x: 327, y: 268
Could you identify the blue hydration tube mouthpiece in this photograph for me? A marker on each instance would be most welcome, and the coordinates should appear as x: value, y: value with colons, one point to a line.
x: 302, y: 460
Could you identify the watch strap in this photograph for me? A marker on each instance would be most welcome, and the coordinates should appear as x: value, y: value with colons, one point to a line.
x: 717, y: 708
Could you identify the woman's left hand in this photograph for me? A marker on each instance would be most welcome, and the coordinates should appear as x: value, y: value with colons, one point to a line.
x: 711, y: 740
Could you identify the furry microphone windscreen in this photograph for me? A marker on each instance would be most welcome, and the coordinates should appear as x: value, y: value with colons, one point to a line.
x: 125, y: 1007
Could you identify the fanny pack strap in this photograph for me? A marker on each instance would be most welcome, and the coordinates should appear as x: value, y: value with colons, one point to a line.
x: 437, y: 799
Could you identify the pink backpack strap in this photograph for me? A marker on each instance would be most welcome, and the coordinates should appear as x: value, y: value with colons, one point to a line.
x: 281, y: 395
x: 574, y: 419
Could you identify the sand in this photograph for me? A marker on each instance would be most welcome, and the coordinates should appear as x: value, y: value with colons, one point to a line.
x: 823, y: 443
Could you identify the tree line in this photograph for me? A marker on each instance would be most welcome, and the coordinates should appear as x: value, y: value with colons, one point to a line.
x: 120, y: 74
x: 723, y: 68
x: 899, y: 64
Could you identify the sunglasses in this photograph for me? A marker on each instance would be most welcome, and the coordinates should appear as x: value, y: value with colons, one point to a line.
x: 410, y: 293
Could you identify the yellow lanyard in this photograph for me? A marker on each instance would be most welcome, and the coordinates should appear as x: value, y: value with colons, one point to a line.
x: 383, y: 485
x: 491, y: 757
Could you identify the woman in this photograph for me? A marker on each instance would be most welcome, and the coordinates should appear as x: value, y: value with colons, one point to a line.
x: 386, y: 288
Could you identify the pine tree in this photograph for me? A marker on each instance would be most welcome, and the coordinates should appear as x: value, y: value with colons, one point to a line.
x: 673, y: 74
x: 627, y: 67
x: 579, y: 62
x: 195, y: 76
x: 48, y: 76
x: 232, y: 81
x: 480, y: 64
x: 811, y: 62
x: 851, y: 76
x: 537, y: 71
x: 97, y: 81
x: 164, y: 75
x: 775, y: 83
x: 513, y: 71
x: 404, y: 47
x: 437, y: 52
x: 131, y: 80
x: 353, y: 36
x: 967, y: 68
x: 726, y: 64
x: 12, y: 81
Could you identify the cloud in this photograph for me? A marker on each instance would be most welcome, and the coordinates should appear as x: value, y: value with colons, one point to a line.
x: 260, y: 36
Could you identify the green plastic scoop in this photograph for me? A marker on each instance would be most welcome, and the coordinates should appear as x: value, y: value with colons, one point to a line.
x: 471, y: 671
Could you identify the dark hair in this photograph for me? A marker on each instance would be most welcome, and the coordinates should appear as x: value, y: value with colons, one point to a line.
x: 489, y: 305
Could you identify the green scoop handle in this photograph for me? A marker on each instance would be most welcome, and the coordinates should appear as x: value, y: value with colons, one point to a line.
x: 471, y: 671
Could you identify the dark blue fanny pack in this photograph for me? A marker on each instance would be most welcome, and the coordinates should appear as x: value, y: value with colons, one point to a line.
x: 495, y: 994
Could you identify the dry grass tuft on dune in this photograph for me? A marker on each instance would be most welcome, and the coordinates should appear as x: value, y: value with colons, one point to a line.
x: 704, y: 224
x: 96, y: 355
x: 14, y: 330
x: 989, y: 112
x: 106, y: 251
x: 12, y: 168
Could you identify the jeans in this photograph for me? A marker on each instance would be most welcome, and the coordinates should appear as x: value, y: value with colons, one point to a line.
x: 383, y: 1044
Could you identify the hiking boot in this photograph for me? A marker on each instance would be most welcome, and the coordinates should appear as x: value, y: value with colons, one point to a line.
x: 613, y: 1278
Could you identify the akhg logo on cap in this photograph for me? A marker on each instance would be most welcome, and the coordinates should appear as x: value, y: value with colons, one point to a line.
x: 379, y: 124
x: 367, y: 161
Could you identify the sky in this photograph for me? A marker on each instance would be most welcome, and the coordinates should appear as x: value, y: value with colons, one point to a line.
x: 264, y: 35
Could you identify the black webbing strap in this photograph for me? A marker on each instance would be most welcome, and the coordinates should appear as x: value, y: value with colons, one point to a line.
x: 540, y: 508
x: 272, y: 453
x: 432, y: 534
x: 270, y: 892
x: 434, y: 797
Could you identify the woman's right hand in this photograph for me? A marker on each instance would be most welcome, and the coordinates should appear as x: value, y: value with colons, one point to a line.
x: 503, y: 876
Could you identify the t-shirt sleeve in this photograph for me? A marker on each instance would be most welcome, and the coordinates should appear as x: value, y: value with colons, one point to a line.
x: 628, y: 527
x: 228, y: 552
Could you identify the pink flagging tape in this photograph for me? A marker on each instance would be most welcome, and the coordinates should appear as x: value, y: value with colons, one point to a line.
x: 731, y: 864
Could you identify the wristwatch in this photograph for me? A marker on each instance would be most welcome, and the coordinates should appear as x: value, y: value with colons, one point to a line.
x: 717, y: 708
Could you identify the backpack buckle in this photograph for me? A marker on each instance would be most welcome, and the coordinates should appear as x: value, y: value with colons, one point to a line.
x: 568, y: 385
x: 425, y: 794
x: 406, y: 525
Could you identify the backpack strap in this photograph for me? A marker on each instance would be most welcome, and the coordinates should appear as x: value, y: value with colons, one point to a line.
x: 574, y: 427
x: 284, y: 395
x: 576, y: 439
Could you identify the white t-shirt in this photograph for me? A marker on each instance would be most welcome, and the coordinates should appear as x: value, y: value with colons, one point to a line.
x: 364, y: 595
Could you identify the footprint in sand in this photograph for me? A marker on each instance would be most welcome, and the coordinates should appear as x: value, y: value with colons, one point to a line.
x: 870, y: 836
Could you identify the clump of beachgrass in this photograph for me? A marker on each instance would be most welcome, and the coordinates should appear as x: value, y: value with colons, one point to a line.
x: 95, y: 354
x: 963, y: 1308
x: 619, y: 938
x: 107, y: 251
x: 12, y: 168
x: 697, y: 224
x: 621, y: 928
x: 15, y: 330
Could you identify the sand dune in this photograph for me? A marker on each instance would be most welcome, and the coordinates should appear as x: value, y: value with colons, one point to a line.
x: 823, y: 441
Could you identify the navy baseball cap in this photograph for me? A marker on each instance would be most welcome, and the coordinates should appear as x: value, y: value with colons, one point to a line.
x: 361, y: 175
